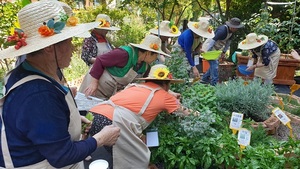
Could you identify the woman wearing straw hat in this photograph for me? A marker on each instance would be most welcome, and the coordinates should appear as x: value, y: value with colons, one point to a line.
x: 112, y: 71
x: 98, y: 44
x: 190, y: 42
x: 221, y: 41
x: 41, y: 125
x: 133, y: 109
x: 165, y: 30
x: 266, y: 54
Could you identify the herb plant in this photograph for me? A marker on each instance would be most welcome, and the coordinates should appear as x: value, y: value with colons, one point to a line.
x: 248, y: 97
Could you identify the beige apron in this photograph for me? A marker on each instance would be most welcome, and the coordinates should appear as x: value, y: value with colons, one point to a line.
x: 267, y: 72
x: 74, y: 130
x: 219, y: 44
x: 108, y: 84
x: 130, y: 152
x: 103, y: 48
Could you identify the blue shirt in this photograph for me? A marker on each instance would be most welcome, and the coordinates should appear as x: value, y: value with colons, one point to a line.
x: 266, y: 51
x: 186, y: 40
x: 36, y: 118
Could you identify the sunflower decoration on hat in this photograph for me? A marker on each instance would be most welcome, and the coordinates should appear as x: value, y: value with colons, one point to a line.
x: 166, y: 28
x: 43, y: 23
x: 202, y: 28
x: 161, y: 72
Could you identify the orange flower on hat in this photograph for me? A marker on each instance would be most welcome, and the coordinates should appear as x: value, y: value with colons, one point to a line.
x: 244, y: 42
x: 161, y: 73
x: 72, y: 21
x: 154, y: 46
x: 210, y: 29
x: 103, y: 23
x: 44, y: 30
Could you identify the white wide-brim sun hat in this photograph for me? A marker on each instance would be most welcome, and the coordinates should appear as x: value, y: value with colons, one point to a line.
x: 166, y: 28
x: 33, y: 16
x: 202, y: 28
x: 105, y: 23
x: 151, y: 43
x: 253, y: 41
x: 160, y: 72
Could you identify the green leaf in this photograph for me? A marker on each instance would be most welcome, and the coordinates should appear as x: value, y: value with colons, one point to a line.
x: 58, y: 26
x: 25, y: 2
x: 50, y: 23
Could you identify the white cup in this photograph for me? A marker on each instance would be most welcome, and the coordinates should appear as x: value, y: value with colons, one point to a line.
x: 99, y: 164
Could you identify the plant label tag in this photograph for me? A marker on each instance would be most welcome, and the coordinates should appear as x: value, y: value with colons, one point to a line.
x: 152, y: 138
x: 244, y: 137
x: 196, y: 59
x: 250, y: 62
x: 236, y: 120
x: 281, y: 115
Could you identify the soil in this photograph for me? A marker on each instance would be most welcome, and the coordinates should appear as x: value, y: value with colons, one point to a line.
x: 283, y: 132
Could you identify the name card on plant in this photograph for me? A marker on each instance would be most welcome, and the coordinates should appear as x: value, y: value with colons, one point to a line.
x: 236, y: 121
x: 281, y: 115
x: 244, y: 137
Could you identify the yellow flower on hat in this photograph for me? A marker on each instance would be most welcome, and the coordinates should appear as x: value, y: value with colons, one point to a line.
x: 196, y: 25
x: 161, y: 73
x: 72, y: 21
x: 174, y: 29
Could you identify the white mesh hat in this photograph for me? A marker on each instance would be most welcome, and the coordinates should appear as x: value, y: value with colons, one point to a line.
x: 202, y: 28
x: 105, y: 23
x: 33, y: 16
x: 151, y: 43
x: 166, y: 28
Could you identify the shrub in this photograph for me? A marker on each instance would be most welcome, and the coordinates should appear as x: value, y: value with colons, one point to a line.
x: 249, y: 97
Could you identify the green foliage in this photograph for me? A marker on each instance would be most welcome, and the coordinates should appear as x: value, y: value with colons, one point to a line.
x: 284, y: 32
x: 260, y: 157
x: 76, y: 69
x: 248, y: 97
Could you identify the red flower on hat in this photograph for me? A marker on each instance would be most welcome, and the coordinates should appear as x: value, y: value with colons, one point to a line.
x: 18, y: 39
x: 170, y: 76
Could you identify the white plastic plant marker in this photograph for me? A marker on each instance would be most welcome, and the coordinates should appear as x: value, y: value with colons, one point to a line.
x: 236, y: 121
x: 281, y: 115
x: 244, y: 137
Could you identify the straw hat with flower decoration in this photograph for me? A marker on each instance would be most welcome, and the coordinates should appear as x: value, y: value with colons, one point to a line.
x: 105, y: 23
x: 166, y: 28
x: 253, y: 41
x: 160, y: 72
x: 43, y: 23
x: 151, y: 43
x: 202, y: 28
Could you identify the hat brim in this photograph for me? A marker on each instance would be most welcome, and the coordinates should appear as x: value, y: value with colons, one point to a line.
x: 201, y: 33
x: 39, y: 42
x: 253, y: 45
x: 112, y: 28
x: 149, y: 49
x: 234, y: 26
x: 171, y: 80
x: 164, y: 33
